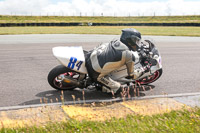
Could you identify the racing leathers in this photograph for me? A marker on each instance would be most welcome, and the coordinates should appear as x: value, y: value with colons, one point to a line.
x: 106, y: 58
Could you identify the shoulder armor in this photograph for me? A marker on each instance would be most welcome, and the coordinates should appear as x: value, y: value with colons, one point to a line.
x: 119, y: 45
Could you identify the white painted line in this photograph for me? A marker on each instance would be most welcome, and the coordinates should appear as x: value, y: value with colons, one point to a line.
x: 99, y: 101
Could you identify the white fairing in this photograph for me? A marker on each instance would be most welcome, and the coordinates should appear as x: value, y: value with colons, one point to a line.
x: 71, y: 57
x: 153, y: 68
x: 158, y: 66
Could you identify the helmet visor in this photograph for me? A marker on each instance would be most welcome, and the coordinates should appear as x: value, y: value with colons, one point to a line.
x: 135, y: 40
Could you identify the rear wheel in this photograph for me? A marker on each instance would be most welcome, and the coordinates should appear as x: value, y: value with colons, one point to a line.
x: 56, y: 75
x: 150, y: 79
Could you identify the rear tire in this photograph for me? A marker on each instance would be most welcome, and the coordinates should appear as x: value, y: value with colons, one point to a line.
x: 57, y: 71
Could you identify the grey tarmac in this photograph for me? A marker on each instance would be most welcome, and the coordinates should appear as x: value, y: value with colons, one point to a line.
x: 25, y: 61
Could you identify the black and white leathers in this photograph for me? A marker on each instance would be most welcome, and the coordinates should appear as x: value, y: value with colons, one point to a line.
x: 106, y: 58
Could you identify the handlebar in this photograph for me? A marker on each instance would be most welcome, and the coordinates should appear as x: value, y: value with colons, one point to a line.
x: 146, y: 57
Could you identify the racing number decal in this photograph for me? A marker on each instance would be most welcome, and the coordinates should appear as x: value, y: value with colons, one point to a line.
x: 78, y: 65
x: 72, y: 63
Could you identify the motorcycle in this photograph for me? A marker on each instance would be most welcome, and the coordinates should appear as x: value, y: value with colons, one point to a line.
x: 72, y: 73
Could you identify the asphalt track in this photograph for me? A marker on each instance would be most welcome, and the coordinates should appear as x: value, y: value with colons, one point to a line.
x: 25, y: 61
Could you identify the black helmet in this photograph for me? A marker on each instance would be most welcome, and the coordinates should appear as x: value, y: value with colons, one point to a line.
x: 130, y: 37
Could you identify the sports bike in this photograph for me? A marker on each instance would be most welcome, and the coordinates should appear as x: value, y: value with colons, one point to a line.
x: 72, y: 73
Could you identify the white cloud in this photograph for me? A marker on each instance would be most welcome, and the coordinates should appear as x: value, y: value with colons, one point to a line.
x: 22, y: 7
x: 96, y: 7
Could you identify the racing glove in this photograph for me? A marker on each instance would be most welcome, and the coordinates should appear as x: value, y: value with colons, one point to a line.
x: 138, y: 72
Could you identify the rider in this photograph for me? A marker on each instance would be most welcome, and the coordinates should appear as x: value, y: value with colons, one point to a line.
x: 108, y: 57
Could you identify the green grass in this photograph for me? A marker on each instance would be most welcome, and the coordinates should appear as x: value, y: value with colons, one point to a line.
x: 145, y: 30
x: 185, y: 121
x: 85, y: 19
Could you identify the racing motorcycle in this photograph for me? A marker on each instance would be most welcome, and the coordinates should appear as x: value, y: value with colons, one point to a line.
x: 72, y: 73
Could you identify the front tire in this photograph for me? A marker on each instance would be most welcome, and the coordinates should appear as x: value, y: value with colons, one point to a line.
x: 55, y: 75
x: 150, y: 79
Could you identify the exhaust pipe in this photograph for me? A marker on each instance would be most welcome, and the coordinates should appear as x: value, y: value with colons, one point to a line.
x: 72, y: 81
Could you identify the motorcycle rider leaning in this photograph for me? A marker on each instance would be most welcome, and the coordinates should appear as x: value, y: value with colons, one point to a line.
x: 108, y: 57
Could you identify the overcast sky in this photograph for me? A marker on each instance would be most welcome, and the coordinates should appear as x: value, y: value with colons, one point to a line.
x: 100, y: 7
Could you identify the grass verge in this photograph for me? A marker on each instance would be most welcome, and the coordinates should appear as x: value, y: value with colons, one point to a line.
x: 100, y: 19
x: 145, y: 30
x: 185, y: 121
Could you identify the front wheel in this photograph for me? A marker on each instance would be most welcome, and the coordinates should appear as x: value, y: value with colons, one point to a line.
x: 56, y: 75
x: 152, y: 78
